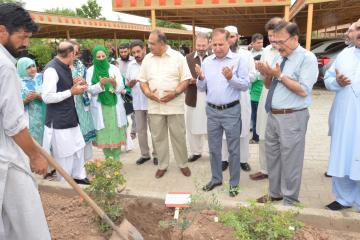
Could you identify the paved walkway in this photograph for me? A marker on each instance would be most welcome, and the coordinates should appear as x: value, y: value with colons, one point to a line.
x: 315, y: 190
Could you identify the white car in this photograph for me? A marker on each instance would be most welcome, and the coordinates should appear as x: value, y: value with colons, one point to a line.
x: 326, y: 45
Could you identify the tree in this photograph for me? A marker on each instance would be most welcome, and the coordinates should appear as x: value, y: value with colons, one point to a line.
x: 19, y: 2
x: 90, y: 10
x: 42, y: 49
x: 174, y: 43
x: 62, y: 11
x: 167, y: 24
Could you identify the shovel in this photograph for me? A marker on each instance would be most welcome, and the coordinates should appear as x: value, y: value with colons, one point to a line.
x: 125, y: 231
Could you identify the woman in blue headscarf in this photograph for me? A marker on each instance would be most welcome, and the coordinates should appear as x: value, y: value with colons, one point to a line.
x: 31, y: 95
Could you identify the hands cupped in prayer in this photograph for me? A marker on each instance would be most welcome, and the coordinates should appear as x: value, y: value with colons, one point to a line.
x: 341, y: 79
x: 227, y: 72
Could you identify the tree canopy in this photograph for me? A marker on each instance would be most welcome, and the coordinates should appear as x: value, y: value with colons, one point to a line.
x: 20, y: 2
x: 90, y: 10
x: 167, y: 24
x: 62, y: 11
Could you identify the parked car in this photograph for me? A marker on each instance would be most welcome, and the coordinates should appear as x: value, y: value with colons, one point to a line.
x: 327, y: 57
x: 325, y: 45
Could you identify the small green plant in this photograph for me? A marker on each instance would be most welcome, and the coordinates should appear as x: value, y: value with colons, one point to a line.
x: 261, y: 222
x: 106, y: 178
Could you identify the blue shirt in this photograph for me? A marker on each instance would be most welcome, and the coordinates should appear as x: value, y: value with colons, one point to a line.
x: 220, y: 90
x: 301, y: 66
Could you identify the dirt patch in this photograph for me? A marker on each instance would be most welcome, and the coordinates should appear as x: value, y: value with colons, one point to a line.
x: 68, y: 218
x: 146, y: 216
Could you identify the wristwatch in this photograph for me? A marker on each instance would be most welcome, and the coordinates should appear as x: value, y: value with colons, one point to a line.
x: 280, y: 77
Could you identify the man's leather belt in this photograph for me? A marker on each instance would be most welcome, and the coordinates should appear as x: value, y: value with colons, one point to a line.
x: 285, y: 111
x: 225, y: 106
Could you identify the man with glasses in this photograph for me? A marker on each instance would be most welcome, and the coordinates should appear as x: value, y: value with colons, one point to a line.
x: 195, y: 100
x: 290, y: 80
x: 269, y: 53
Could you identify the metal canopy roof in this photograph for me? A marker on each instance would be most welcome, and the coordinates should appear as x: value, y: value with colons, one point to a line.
x: 327, y: 13
x: 249, y: 16
x: 55, y: 26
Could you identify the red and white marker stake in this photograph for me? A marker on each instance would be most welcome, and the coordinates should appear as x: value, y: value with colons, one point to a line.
x: 178, y: 200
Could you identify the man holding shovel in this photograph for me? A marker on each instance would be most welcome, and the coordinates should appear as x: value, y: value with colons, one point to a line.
x: 22, y: 215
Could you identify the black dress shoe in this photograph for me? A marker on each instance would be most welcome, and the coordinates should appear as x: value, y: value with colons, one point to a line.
x: 142, y: 160
x: 50, y: 175
x: 233, y: 191
x: 245, y: 166
x: 224, y: 165
x: 193, y: 158
x: 84, y: 181
x: 155, y: 160
x: 210, y: 186
x: 336, y: 206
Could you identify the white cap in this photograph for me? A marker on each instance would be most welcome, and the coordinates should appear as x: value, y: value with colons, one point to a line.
x: 232, y: 29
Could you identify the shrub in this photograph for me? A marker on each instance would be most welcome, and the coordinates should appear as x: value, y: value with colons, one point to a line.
x: 261, y: 222
x: 105, y: 179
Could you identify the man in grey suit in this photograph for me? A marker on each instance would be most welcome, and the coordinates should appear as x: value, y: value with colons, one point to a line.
x: 223, y: 75
x: 290, y: 81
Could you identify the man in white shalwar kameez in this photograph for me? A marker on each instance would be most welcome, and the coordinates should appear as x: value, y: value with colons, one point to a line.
x: 22, y: 215
x: 344, y: 78
x: 245, y: 106
x: 195, y: 101
x: 62, y: 132
x: 268, y: 56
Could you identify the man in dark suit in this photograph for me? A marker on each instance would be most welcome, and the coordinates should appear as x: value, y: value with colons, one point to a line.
x: 196, y: 101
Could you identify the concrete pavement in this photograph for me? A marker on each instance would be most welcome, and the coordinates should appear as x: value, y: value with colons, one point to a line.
x: 315, y: 190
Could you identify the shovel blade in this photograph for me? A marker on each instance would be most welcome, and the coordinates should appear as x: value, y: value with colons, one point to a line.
x: 127, y: 232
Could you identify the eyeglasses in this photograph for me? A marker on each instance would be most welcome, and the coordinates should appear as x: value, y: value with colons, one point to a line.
x: 281, y: 42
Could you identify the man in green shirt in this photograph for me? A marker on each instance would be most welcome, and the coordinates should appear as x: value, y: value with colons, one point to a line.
x: 257, y: 42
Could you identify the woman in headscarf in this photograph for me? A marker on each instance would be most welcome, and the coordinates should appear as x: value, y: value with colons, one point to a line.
x: 82, y: 103
x: 31, y: 95
x: 106, y: 105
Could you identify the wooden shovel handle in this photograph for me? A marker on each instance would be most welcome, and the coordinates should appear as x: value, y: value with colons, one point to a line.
x: 79, y: 190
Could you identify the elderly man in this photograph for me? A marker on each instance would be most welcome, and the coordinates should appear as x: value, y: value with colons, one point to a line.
x: 140, y: 101
x: 62, y: 131
x: 244, y: 102
x: 164, y: 75
x: 22, y: 216
x: 343, y: 77
x: 195, y: 100
x: 290, y: 83
x: 350, y: 39
x: 223, y: 75
x: 268, y: 56
x: 350, y: 35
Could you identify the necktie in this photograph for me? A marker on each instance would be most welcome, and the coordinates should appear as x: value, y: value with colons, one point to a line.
x: 273, y: 84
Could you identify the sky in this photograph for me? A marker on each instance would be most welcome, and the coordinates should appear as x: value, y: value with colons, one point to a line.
x: 42, y: 5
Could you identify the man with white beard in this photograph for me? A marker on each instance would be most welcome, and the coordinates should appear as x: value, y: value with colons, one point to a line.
x: 245, y: 105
